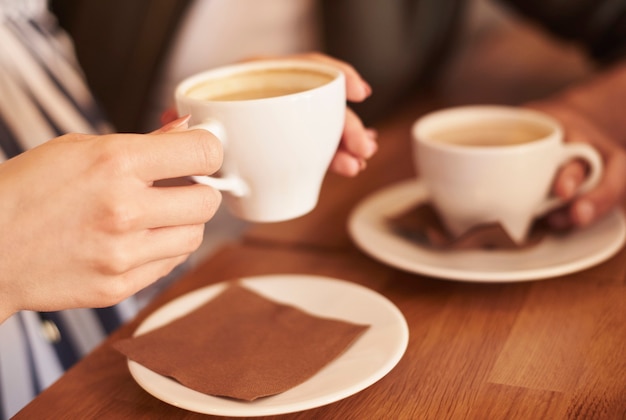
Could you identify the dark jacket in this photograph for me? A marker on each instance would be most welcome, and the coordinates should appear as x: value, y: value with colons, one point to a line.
x: 396, y: 44
x: 598, y: 25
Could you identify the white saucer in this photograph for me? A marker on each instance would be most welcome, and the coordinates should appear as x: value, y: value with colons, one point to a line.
x: 554, y: 256
x: 370, y: 358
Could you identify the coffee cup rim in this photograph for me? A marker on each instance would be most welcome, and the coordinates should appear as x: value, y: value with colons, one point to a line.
x: 422, y: 124
x: 247, y: 66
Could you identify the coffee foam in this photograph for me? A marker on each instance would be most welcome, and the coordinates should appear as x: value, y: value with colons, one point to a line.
x: 259, y: 84
x: 493, y: 133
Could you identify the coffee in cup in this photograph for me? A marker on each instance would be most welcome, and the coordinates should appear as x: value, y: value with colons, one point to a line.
x: 259, y: 84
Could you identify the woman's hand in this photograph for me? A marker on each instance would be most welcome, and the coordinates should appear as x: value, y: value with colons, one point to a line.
x: 610, y: 192
x: 358, y: 143
x: 83, y: 224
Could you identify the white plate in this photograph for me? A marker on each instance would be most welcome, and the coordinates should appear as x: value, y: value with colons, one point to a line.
x: 370, y: 357
x: 553, y: 256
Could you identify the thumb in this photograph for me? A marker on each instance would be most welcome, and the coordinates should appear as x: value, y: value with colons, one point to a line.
x: 611, y: 191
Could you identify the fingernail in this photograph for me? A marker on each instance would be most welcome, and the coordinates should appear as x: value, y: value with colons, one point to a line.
x: 584, y: 212
x: 372, y: 147
x: 180, y: 122
x: 367, y: 89
x: 371, y: 150
x: 168, y: 115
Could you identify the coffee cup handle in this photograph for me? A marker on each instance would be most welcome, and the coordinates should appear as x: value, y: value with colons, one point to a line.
x: 594, y: 160
x: 230, y: 183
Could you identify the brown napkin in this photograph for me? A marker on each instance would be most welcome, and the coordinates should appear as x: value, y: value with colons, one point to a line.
x: 422, y: 224
x: 242, y: 345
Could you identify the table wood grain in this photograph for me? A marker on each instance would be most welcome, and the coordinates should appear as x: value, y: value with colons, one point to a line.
x: 546, y: 349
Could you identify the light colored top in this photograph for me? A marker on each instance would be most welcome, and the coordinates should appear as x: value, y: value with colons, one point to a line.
x: 219, y: 32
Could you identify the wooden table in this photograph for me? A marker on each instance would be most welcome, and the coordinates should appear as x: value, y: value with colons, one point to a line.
x: 546, y: 349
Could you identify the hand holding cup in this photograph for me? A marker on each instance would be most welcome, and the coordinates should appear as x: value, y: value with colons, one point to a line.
x: 495, y: 164
x: 280, y: 123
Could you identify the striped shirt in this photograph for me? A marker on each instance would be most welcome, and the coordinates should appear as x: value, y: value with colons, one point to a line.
x: 42, y: 95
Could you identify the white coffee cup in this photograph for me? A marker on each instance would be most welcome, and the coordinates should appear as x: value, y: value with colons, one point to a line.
x: 280, y: 122
x: 494, y: 164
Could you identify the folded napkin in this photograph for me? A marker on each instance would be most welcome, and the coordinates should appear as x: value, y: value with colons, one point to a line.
x: 242, y: 345
x: 422, y: 225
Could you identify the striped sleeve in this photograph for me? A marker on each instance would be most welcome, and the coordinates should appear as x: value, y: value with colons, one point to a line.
x: 43, y: 94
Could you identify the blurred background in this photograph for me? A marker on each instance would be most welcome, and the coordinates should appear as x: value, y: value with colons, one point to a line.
x: 134, y: 53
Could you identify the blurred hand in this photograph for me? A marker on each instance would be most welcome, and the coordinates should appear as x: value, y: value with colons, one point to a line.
x: 84, y: 225
x: 358, y: 143
x: 586, y: 208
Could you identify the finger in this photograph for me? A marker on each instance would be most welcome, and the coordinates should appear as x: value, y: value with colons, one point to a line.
x: 173, y: 155
x: 168, y: 242
x: 345, y: 164
x: 139, y: 248
x: 134, y: 280
x: 147, y: 274
x: 356, y: 139
x: 357, y: 89
x: 569, y: 179
x: 177, y: 206
x: 610, y: 192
